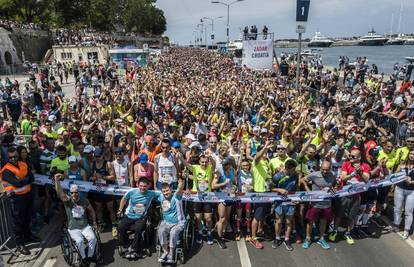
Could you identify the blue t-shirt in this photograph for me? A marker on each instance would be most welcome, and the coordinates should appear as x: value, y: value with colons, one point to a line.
x: 281, y: 180
x: 139, y: 203
x: 172, y: 210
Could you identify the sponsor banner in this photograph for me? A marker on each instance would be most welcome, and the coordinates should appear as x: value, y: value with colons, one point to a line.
x: 219, y: 197
x: 258, y: 54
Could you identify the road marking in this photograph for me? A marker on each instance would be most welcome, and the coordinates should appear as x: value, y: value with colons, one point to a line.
x: 244, y: 255
x: 409, y: 241
x: 50, y: 262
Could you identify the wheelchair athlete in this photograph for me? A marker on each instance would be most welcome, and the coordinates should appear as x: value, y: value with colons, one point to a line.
x: 135, y: 218
x: 173, y: 220
x: 76, y: 208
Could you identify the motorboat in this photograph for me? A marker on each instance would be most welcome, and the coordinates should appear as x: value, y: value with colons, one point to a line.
x: 372, y: 38
x: 410, y: 59
x: 320, y: 40
x: 409, y: 40
x: 399, y: 40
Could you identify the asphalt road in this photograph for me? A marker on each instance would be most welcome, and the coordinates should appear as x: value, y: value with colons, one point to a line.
x: 384, y: 248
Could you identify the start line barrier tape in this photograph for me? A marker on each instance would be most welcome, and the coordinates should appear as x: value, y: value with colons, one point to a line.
x: 219, y: 197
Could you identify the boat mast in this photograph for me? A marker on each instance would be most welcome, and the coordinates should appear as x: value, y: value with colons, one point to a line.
x: 400, y: 17
x: 392, y: 23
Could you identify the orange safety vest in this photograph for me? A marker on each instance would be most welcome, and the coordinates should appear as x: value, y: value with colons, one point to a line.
x: 20, y: 173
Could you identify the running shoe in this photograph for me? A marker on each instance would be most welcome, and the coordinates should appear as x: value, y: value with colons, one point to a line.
x: 248, y: 237
x: 405, y: 235
x: 306, y: 244
x: 170, y: 259
x: 210, y: 239
x: 298, y: 238
x: 199, y: 237
x: 163, y: 257
x: 288, y: 245
x: 114, y: 231
x: 256, y: 243
x: 238, y: 236
x: 324, y: 244
x: 349, y: 238
x: 221, y: 243
x: 332, y: 236
x: 276, y: 243
x: 364, y: 229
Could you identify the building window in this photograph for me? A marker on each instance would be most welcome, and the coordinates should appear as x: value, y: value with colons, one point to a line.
x: 66, y: 55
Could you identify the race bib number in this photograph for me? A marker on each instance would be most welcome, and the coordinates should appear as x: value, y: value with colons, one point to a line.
x: 78, y: 212
x: 139, y: 208
x: 202, y: 186
x: 166, y: 205
x: 121, y: 180
x: 72, y: 177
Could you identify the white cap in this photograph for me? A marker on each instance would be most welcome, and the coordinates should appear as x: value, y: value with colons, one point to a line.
x: 72, y: 159
x: 195, y: 144
x: 74, y: 188
x: 191, y: 136
x: 88, y: 149
x: 264, y: 130
x: 51, y: 118
x: 256, y: 128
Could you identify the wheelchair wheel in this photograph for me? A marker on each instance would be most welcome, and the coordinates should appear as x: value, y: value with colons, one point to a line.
x: 69, y: 251
x: 188, y: 236
x: 98, y: 253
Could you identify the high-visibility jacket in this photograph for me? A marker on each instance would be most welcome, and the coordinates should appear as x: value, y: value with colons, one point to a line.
x: 21, y: 172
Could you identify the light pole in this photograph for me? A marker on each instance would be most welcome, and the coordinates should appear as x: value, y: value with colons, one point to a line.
x: 228, y: 15
x: 201, y: 33
x: 212, y: 27
x: 204, y: 28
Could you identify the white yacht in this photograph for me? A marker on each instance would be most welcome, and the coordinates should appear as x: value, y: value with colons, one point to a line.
x: 372, y: 38
x: 409, y: 40
x: 235, y: 45
x: 320, y: 40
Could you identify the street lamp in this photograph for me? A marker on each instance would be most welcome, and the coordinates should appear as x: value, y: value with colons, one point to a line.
x: 201, y: 33
x: 212, y: 27
x: 228, y: 15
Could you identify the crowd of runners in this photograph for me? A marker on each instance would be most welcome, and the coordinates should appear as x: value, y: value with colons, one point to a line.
x: 193, y: 121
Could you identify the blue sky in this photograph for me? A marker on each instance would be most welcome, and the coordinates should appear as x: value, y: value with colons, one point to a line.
x: 334, y: 18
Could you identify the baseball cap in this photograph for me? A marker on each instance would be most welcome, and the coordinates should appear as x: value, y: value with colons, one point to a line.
x: 13, y: 95
x: 74, y: 188
x: 176, y: 144
x: 191, y: 136
x: 51, y: 118
x: 195, y: 144
x: 263, y: 130
x: 72, y: 159
x: 280, y: 146
x: 143, y: 158
x: 256, y: 128
x: 129, y: 118
x: 88, y: 149
x: 97, y: 152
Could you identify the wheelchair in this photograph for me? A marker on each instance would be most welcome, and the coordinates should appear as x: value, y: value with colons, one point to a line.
x: 184, y: 245
x: 71, y: 252
x: 147, y: 235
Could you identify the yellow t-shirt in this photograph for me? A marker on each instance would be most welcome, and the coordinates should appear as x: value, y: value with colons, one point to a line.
x: 260, y: 175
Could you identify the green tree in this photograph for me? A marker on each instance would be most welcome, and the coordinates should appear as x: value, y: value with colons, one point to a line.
x: 103, y: 14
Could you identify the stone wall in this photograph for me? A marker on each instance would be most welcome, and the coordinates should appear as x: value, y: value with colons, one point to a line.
x: 34, y: 44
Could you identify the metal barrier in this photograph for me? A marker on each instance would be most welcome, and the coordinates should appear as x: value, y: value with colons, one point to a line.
x: 5, y: 224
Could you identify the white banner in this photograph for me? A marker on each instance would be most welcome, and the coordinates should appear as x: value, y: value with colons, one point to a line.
x: 258, y: 54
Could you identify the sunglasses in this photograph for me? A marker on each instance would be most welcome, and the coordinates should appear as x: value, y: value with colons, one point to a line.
x: 353, y: 157
x: 13, y: 157
x: 165, y: 147
x: 74, y: 193
x: 281, y: 149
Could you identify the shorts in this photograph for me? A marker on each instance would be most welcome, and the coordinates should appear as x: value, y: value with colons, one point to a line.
x: 347, y: 207
x: 285, y: 211
x: 260, y: 210
x: 313, y: 214
x: 383, y: 194
x: 369, y: 197
x: 200, y: 207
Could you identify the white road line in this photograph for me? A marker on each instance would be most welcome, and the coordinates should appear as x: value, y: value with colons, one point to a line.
x: 50, y: 262
x: 244, y: 255
x: 409, y: 241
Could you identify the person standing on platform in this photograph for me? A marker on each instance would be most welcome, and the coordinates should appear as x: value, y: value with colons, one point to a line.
x: 16, y: 178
